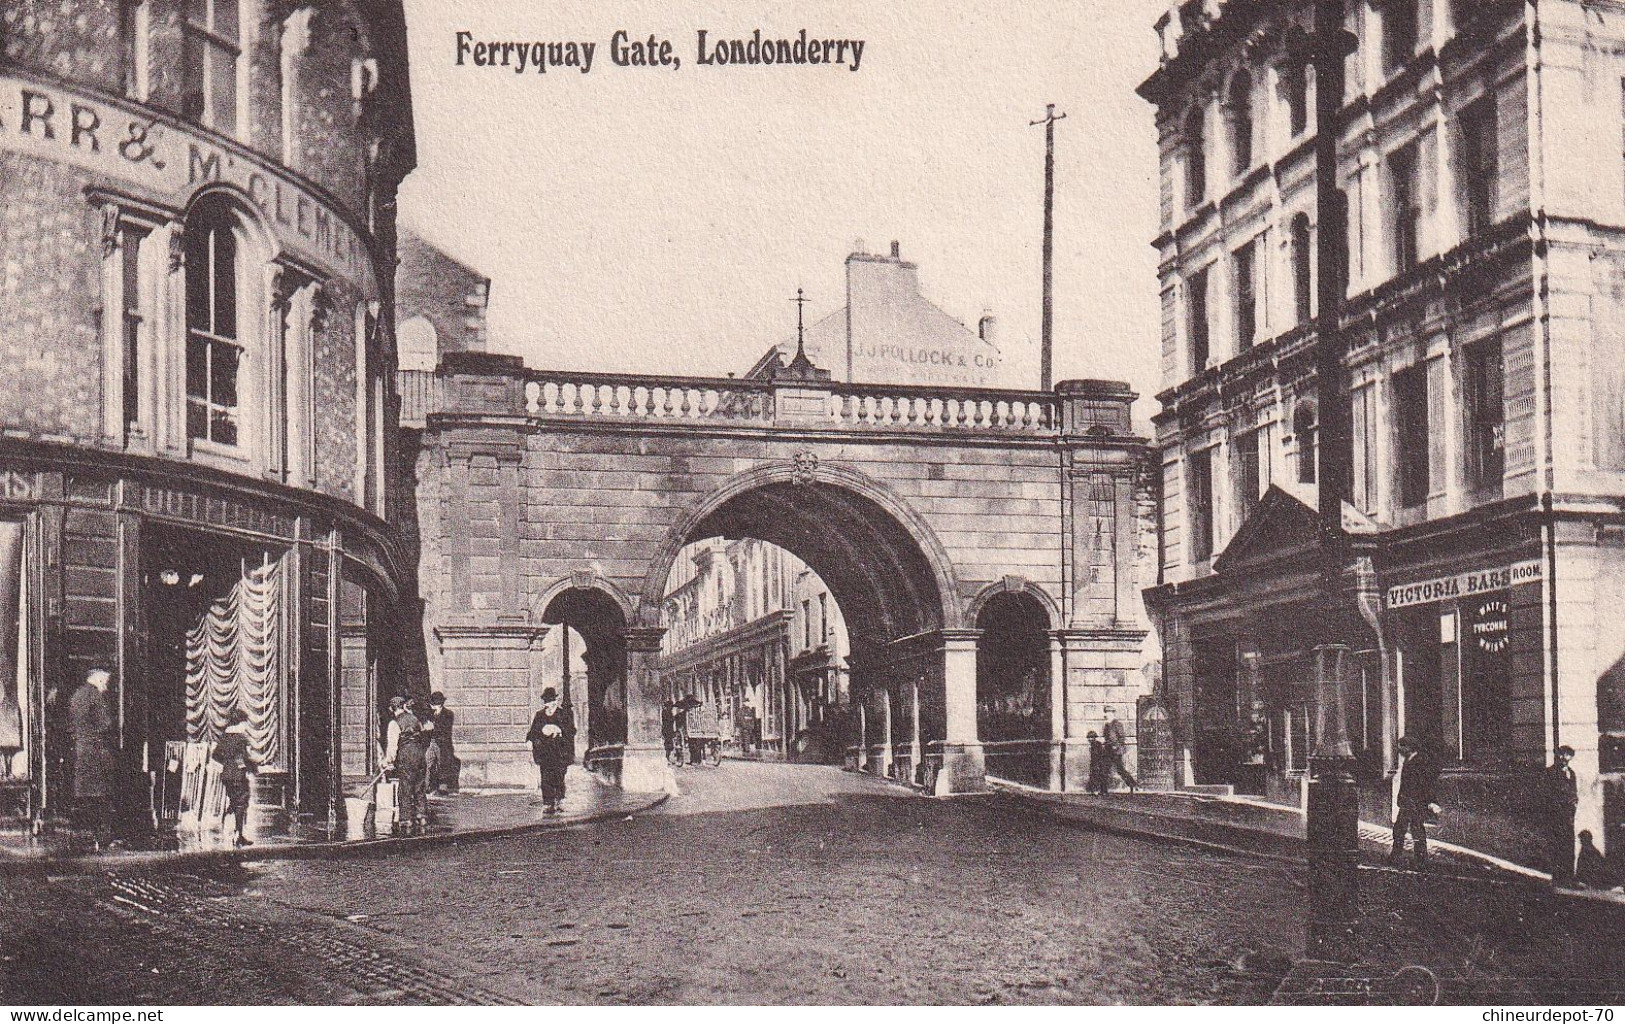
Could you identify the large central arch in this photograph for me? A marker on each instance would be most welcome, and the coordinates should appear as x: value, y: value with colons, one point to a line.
x: 882, y: 561
x: 912, y: 663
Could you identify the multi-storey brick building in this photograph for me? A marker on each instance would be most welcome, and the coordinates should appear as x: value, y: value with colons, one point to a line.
x: 1479, y: 150
x: 196, y: 317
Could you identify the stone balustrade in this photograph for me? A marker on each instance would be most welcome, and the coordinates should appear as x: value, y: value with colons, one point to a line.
x: 471, y: 383
x: 692, y: 399
x: 859, y: 406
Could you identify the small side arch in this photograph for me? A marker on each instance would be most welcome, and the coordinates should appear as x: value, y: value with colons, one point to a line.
x: 1014, y: 585
x: 538, y: 605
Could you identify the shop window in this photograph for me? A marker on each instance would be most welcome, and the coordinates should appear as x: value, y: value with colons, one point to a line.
x: 1405, y: 207
x: 1196, y: 319
x: 1246, y: 296
x: 1303, y: 257
x: 1401, y: 22
x: 1480, y: 165
x: 1486, y: 690
x: 1411, y: 435
x: 1199, y: 508
x: 1241, y: 123
x: 214, y: 354
x: 209, y: 59
x: 1486, y: 416
x: 1306, y: 428
x: 1195, y: 157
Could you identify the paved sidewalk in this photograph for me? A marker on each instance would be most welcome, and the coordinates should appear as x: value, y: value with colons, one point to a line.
x: 1244, y: 825
x: 470, y: 814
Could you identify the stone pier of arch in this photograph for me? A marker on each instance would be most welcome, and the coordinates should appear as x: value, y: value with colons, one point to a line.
x: 562, y: 499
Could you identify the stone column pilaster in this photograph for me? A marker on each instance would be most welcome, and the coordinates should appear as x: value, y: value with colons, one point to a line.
x: 643, y: 759
x: 963, y: 767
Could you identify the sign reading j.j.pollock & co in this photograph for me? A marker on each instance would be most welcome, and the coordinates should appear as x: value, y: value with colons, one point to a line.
x: 103, y: 136
x: 1467, y: 584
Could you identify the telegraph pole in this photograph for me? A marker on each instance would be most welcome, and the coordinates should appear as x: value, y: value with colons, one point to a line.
x: 1046, y: 355
x: 1333, y: 794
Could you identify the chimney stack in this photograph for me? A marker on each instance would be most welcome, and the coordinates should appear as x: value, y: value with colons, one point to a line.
x: 896, y: 251
x: 987, y: 328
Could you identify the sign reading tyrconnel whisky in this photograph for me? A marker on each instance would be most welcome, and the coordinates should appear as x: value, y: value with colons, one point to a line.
x: 105, y: 137
x: 1467, y: 584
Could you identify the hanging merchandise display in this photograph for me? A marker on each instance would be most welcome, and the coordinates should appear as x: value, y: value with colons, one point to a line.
x: 233, y: 660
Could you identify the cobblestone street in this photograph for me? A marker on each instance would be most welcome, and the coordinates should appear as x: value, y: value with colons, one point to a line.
x: 773, y: 883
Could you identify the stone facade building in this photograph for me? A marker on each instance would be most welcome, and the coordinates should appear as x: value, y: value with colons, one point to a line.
x: 888, y: 333
x: 1480, y: 157
x: 197, y: 423
x: 755, y: 633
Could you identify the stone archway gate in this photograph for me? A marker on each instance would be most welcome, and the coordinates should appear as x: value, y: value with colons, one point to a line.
x: 915, y: 504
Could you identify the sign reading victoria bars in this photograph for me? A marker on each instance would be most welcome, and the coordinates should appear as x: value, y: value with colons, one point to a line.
x: 1467, y: 584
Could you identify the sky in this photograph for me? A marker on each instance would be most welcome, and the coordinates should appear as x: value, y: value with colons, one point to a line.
x: 660, y: 221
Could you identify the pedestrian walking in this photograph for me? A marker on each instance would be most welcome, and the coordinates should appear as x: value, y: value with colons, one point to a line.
x: 236, y: 770
x: 1116, y: 746
x: 1414, y: 786
x: 95, y: 763
x: 1099, y: 765
x: 552, y: 747
x: 668, y: 726
x: 441, y: 756
x: 406, y: 754
x: 1562, y: 797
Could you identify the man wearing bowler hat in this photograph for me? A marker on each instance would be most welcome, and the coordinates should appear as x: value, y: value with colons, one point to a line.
x: 1562, y: 799
x: 553, y: 748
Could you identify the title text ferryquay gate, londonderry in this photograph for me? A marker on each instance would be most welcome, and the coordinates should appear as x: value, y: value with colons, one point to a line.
x: 634, y: 50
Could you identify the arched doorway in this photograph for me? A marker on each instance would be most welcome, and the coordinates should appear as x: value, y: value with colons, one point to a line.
x: 592, y: 618
x: 1014, y: 717
x: 891, y: 580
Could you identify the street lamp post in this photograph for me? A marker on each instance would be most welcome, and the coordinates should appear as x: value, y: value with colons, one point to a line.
x: 1333, y: 795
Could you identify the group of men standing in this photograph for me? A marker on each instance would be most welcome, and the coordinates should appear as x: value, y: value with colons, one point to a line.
x: 419, y: 749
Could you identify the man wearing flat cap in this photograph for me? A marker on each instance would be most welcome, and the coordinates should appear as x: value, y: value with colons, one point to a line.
x: 405, y: 753
x: 552, y: 740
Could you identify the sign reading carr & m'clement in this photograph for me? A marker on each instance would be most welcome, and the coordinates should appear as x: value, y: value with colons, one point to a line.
x: 1467, y: 584
x: 107, y: 137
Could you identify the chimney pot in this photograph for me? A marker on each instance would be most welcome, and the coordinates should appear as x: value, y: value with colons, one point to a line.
x: 896, y: 251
